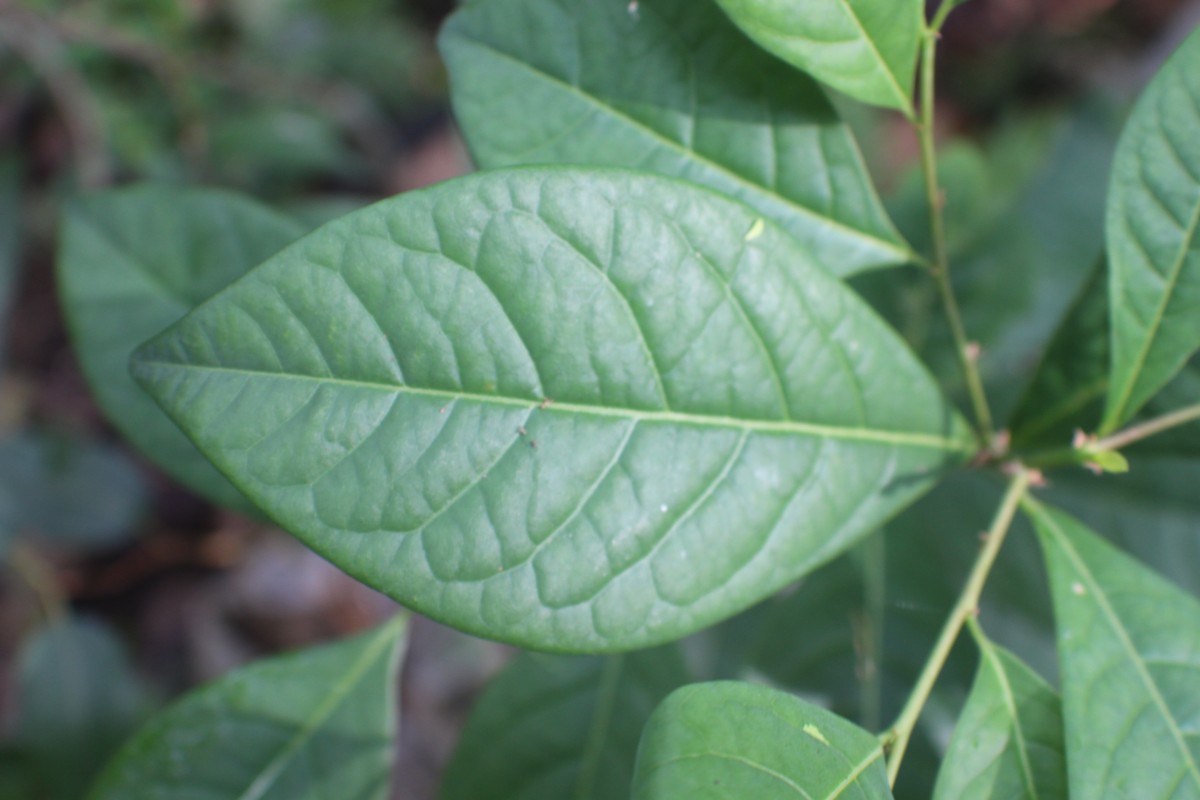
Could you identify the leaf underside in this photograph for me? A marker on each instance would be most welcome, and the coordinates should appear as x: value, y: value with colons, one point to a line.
x: 670, y: 87
x: 864, y: 48
x: 315, y: 724
x: 1154, y: 237
x: 134, y: 261
x: 1008, y: 741
x: 725, y: 740
x: 1129, y: 648
x: 571, y: 409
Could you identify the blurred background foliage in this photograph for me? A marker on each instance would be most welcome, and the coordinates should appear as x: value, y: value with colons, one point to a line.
x: 119, y: 589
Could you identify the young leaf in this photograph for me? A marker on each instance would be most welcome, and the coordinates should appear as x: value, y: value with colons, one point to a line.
x: 315, y: 724
x: 1129, y: 646
x: 133, y: 261
x: 864, y: 48
x: 79, y: 698
x: 727, y: 739
x: 672, y: 87
x: 572, y: 409
x: 1009, y: 739
x: 551, y: 727
x: 1154, y: 237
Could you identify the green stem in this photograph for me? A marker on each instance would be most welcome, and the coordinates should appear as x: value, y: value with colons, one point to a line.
x: 940, y: 268
x: 1135, y: 433
x: 895, y: 739
x: 1147, y: 429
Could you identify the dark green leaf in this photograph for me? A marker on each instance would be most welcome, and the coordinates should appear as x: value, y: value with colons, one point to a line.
x: 1068, y: 385
x: 725, y: 414
x: 552, y: 727
x: 72, y: 492
x: 737, y: 740
x: 1129, y: 646
x: 1154, y: 237
x: 316, y: 724
x: 132, y: 262
x: 864, y: 48
x: 78, y: 700
x: 1008, y: 742
x: 669, y: 86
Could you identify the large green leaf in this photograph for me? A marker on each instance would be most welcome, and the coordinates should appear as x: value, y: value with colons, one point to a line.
x: 78, y: 699
x: 1129, y: 646
x: 316, y: 724
x: 737, y: 740
x: 865, y: 48
x: 1008, y: 742
x: 726, y: 416
x: 133, y: 261
x: 671, y: 87
x: 552, y: 727
x: 1154, y: 237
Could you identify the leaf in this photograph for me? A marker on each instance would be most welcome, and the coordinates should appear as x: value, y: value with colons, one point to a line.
x: 1154, y: 237
x: 728, y: 739
x: 133, y: 261
x: 1150, y: 513
x: 723, y: 414
x: 552, y: 727
x: 1129, y: 646
x: 1008, y: 742
x: 671, y: 87
x: 78, y: 699
x: 1068, y: 385
x: 314, y: 724
x: 76, y: 493
x: 864, y: 48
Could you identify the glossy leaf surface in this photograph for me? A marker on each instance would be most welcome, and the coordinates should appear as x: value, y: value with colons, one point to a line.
x: 864, y: 48
x: 551, y: 727
x: 1008, y: 742
x: 132, y: 262
x: 79, y: 699
x: 1129, y: 646
x: 739, y: 740
x: 1154, y: 237
x: 672, y: 87
x: 724, y: 413
x: 315, y: 724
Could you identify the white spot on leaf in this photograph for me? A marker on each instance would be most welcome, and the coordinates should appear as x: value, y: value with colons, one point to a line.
x: 756, y: 230
x: 1078, y: 589
x: 815, y: 732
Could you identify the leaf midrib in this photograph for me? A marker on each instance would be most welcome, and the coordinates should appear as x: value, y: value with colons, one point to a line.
x: 1127, y: 643
x: 271, y: 772
x: 898, y: 250
x: 880, y: 436
x: 1010, y: 702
